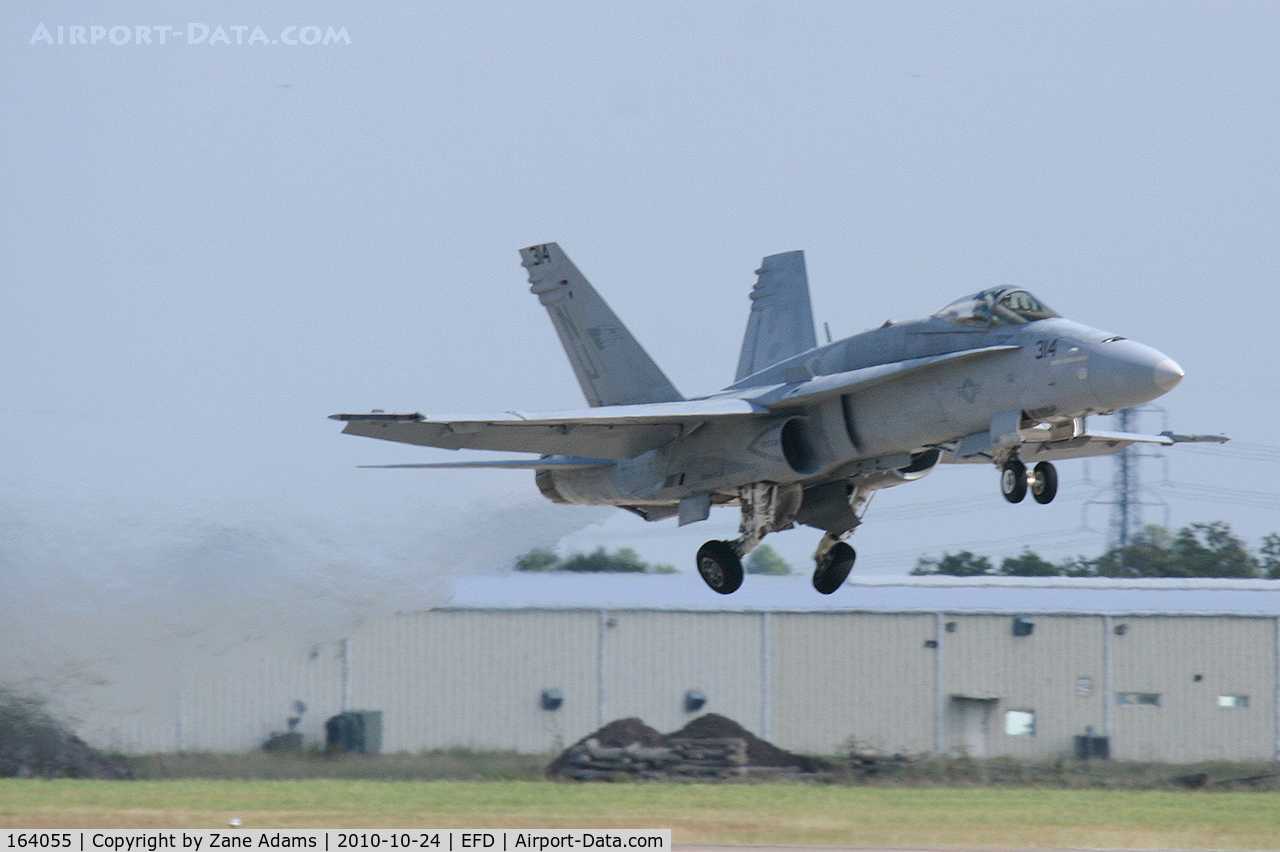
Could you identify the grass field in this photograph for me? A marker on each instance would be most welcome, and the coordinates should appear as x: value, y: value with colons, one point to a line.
x: 696, y: 813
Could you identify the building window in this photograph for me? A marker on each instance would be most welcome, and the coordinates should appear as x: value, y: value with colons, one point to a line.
x: 1233, y: 701
x: 1138, y: 699
x: 1020, y: 723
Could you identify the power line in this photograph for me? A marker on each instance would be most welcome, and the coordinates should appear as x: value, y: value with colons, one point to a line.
x: 1053, y: 538
x: 954, y: 506
x: 1217, y: 494
x: 1264, y: 453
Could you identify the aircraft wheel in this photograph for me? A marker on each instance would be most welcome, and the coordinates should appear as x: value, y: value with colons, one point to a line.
x: 1013, y: 481
x: 835, y: 568
x: 1044, y: 483
x: 720, y: 567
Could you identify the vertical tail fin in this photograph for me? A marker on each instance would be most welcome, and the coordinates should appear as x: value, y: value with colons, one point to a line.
x: 781, y: 321
x: 611, y: 366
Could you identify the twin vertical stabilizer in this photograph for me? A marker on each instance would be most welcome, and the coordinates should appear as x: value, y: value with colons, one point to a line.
x: 781, y: 321
x: 611, y: 365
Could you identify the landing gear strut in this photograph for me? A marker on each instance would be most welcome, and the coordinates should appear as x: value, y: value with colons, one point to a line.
x: 766, y: 508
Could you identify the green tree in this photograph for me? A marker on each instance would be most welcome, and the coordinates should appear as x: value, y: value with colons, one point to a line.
x: 962, y: 564
x: 1271, y: 556
x: 1150, y: 554
x: 538, y: 559
x: 622, y: 561
x: 1211, y: 550
x: 765, y: 560
x: 1028, y: 564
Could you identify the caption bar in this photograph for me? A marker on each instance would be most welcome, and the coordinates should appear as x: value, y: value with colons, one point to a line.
x: 325, y: 840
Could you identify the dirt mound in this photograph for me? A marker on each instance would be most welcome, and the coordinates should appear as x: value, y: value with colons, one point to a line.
x: 708, y: 748
x: 759, y: 752
x: 627, y: 732
x: 33, y: 744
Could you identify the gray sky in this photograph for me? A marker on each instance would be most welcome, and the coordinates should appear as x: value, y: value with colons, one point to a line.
x: 210, y: 247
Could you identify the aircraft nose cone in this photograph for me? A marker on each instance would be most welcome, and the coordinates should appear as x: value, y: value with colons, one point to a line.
x: 1126, y: 373
x: 1168, y: 374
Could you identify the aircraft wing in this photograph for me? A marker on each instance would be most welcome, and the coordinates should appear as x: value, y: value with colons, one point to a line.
x: 606, y: 432
x: 622, y: 431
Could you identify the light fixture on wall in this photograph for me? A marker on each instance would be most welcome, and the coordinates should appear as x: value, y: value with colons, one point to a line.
x: 551, y: 699
x: 694, y: 700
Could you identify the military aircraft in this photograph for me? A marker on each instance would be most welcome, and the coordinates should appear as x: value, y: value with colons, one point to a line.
x: 807, y: 434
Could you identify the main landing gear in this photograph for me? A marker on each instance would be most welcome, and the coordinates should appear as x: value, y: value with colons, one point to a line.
x: 769, y: 508
x: 1016, y: 481
x: 721, y: 567
x: 834, y: 565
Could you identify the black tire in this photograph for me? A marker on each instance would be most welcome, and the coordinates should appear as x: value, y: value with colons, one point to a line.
x: 1013, y: 481
x: 835, y: 568
x: 720, y: 567
x: 1044, y: 483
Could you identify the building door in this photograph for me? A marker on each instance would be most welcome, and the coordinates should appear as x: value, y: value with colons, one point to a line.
x: 967, y: 720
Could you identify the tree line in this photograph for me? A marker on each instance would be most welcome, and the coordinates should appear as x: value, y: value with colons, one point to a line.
x: 1198, y: 550
x: 1207, y: 549
x: 763, y: 560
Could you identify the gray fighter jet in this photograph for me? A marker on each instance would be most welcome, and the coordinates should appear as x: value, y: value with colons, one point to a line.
x: 807, y: 434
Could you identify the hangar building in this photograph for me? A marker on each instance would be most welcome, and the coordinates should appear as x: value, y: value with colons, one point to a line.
x: 1159, y: 670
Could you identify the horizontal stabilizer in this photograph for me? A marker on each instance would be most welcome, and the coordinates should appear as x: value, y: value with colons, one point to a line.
x: 552, y: 463
x: 606, y: 432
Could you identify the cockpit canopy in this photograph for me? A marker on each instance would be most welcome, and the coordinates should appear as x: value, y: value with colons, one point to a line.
x: 998, y: 306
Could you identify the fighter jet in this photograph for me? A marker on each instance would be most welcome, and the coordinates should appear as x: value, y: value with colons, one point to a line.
x: 806, y: 434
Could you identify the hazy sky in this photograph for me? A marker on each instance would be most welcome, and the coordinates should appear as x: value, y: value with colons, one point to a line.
x: 210, y: 247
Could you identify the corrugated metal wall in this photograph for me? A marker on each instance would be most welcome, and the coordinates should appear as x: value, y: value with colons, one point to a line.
x: 474, y: 679
x: 840, y: 677
x: 811, y: 682
x: 1190, y: 663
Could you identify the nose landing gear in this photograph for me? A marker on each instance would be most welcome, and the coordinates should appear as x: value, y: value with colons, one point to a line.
x: 1044, y: 483
x: 1016, y: 480
x: 1013, y: 480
